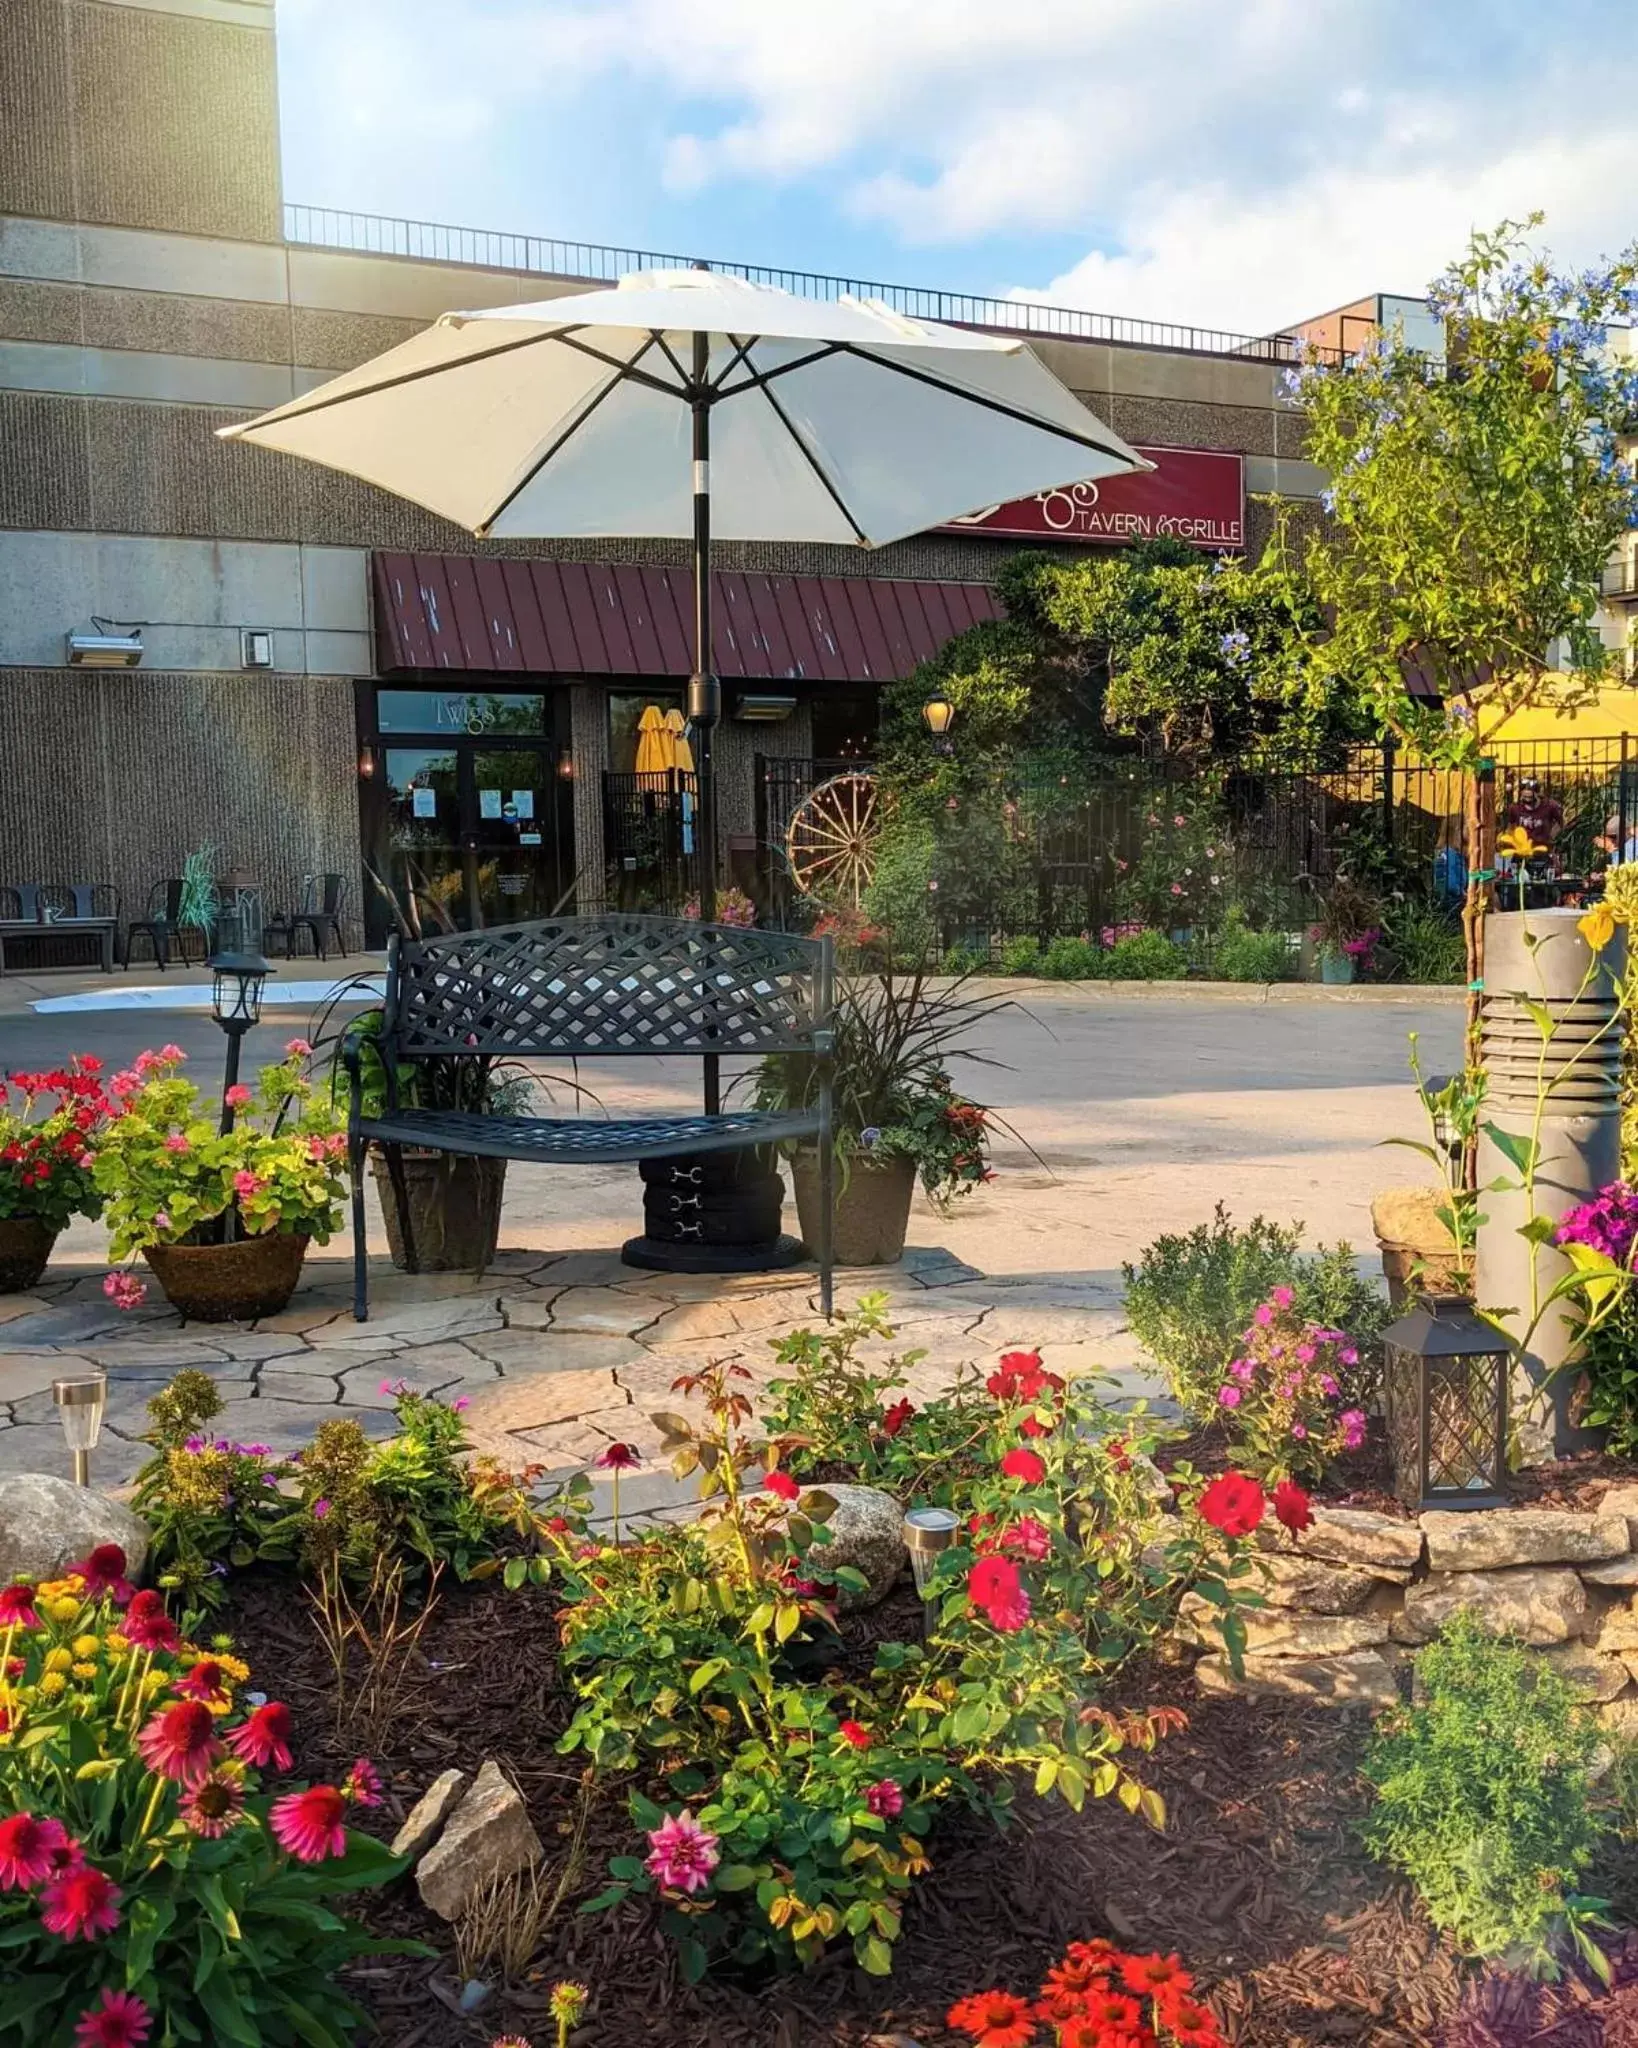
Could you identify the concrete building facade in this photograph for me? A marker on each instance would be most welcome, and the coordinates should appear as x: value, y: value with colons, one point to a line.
x: 155, y: 286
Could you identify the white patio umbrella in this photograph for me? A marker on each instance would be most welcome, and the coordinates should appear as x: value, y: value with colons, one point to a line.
x: 683, y: 403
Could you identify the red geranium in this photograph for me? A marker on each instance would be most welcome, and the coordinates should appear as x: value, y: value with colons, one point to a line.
x: 1292, y: 1506
x: 855, y: 1734
x: 1023, y: 1464
x: 994, y: 2019
x: 1234, y: 1504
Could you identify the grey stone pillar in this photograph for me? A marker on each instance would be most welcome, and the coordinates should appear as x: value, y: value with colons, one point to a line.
x: 1539, y: 957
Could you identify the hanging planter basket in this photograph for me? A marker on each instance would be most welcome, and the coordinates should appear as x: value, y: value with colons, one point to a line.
x: 25, y: 1252
x: 229, y: 1283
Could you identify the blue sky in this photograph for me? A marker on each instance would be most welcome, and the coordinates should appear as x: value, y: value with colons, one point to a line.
x: 1235, y: 164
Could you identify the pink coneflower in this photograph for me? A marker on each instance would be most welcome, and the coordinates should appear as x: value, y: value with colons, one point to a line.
x: 206, y: 1681
x: 362, y: 1784
x: 311, y: 1825
x: 27, y: 1845
x: 147, y: 1625
x: 180, y: 1742
x: 885, y: 1799
x: 17, y: 1607
x: 265, y: 1738
x: 80, y: 1904
x: 215, y: 1805
x: 104, y: 1574
x: 120, y: 2021
x: 619, y: 1458
x: 682, y: 1854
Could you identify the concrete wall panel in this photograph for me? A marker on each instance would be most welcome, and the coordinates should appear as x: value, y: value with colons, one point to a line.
x: 134, y: 373
x: 1183, y: 423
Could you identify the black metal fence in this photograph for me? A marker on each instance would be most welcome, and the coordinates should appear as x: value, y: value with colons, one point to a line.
x: 650, y: 838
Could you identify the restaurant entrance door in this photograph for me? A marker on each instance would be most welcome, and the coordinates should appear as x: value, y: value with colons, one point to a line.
x: 469, y: 810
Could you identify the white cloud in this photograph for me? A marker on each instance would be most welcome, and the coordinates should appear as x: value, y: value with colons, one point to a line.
x: 1234, y: 163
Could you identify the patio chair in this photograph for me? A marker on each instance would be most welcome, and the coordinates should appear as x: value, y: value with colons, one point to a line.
x: 162, y: 927
x: 318, y: 911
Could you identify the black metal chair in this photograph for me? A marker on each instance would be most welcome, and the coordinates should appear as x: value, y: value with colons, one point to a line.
x: 318, y: 911
x: 162, y: 927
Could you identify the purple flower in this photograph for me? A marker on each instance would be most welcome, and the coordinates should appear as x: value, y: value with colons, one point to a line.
x: 1353, y: 1428
x: 1298, y: 1431
x: 1242, y: 1370
x: 1282, y: 1297
x: 194, y: 1443
x: 461, y: 1403
x: 320, y: 1509
x: 1228, y: 1397
x: 1328, y: 1386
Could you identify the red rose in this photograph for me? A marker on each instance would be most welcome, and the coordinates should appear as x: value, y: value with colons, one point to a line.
x: 855, y: 1733
x: 1292, y: 1507
x: 1234, y: 1504
x: 783, y: 1484
x: 894, y: 1418
x: 1025, y: 1465
x: 993, y: 1585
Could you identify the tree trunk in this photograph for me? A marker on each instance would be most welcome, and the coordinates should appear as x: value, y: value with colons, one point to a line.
x: 1480, y: 835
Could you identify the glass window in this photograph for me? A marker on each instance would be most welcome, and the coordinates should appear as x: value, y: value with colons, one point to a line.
x: 626, y: 710
x: 451, y: 711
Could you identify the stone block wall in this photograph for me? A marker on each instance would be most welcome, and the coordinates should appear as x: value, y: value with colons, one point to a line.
x: 1351, y: 1600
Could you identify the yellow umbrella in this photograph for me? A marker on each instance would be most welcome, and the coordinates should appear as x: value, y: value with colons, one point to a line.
x: 682, y: 754
x: 654, y: 755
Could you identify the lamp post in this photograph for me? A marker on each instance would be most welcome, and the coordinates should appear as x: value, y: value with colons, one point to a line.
x: 236, y: 1002
x: 938, y: 715
x: 81, y: 1401
x: 928, y: 1533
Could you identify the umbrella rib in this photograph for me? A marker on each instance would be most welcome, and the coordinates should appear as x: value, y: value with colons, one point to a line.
x: 504, y: 348
x: 815, y: 465
x: 573, y: 428
x: 1011, y: 412
x: 741, y: 354
x: 756, y: 377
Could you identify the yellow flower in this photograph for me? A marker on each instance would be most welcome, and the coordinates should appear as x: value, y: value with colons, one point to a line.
x: 1517, y: 842
x: 234, y: 1667
x: 52, y: 1685
x: 115, y: 1643
x: 1597, y: 927
x: 58, y: 1659
x: 64, y: 1609
x: 85, y: 1671
x: 87, y: 1646
x: 156, y: 1681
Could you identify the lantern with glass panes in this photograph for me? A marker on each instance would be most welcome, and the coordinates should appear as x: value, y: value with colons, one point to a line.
x: 1445, y: 1388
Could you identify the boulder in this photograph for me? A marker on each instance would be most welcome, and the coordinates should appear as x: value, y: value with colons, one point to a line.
x: 425, y: 1820
x: 1620, y: 1571
x: 1620, y: 1717
x: 1616, y: 1631
x: 1360, y: 1679
x: 867, y: 1532
x: 1488, y: 1541
x: 1594, y: 1677
x: 1623, y: 1500
x: 1539, y: 1604
x: 1357, y: 1536
x: 489, y: 1836
x: 1283, y: 1631
x: 1311, y: 1583
x: 1410, y: 1216
x: 46, y: 1523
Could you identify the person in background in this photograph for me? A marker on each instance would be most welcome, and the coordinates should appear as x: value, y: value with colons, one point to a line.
x: 1621, y: 852
x: 1449, y: 873
x: 1534, y: 812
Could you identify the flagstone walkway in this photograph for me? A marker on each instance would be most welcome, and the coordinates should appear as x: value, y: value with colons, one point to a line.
x: 557, y: 1355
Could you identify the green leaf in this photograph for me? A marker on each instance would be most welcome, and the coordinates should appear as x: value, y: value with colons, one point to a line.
x: 626, y: 1867
x: 874, y: 1956
x: 1520, y: 1153
x: 516, y: 1571
x: 787, y: 1620
x: 734, y: 1877
x: 229, y: 2018
x: 702, y: 1675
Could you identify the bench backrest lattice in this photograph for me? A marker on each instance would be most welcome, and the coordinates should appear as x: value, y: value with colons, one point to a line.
x: 607, y: 986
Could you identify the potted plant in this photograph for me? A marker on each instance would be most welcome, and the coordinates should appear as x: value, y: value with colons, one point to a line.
x: 1346, y: 931
x: 222, y: 1218
x: 49, y: 1125
x: 454, y: 1199
x: 897, y: 1113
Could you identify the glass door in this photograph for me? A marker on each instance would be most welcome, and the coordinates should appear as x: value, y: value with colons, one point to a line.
x: 425, y: 863
x: 511, y: 835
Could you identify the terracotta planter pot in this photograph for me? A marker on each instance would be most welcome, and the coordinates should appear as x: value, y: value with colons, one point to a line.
x: 229, y: 1283
x: 872, y: 1208
x: 1419, y: 1257
x: 454, y: 1210
x: 25, y: 1252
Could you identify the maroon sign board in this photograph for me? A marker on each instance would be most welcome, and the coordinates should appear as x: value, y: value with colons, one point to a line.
x: 1194, y: 494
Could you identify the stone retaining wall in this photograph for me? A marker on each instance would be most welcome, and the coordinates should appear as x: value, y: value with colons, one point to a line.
x: 1351, y: 1599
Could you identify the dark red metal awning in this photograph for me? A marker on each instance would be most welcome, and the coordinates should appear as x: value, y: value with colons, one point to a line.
x: 606, y: 619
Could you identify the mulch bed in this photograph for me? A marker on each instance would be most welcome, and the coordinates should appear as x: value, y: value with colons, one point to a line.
x: 1258, y: 1882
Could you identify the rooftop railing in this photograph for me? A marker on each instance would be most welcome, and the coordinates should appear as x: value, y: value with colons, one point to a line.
x: 424, y: 241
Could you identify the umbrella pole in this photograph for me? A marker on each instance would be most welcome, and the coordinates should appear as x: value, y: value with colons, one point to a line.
x: 704, y: 690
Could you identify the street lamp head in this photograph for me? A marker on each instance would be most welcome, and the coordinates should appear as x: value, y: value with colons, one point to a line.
x: 938, y: 713
x: 236, y: 991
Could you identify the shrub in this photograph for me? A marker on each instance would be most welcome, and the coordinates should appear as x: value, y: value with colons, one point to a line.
x: 1097, y: 1994
x: 1021, y: 956
x: 147, y: 1872
x: 1192, y: 1295
x: 1245, y: 955
x: 1426, y: 944
x: 1071, y: 960
x: 1288, y: 1399
x: 1147, y: 956
x: 1482, y: 1796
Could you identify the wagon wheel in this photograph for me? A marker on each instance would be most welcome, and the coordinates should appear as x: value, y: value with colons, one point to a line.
x: 830, y: 842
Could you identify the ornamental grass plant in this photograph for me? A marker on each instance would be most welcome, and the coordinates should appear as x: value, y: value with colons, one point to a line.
x: 154, y: 1881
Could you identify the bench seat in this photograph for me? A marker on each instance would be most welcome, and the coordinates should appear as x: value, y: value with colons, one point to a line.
x: 591, y: 1141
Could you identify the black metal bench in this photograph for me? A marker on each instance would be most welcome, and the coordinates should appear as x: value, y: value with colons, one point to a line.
x: 594, y: 987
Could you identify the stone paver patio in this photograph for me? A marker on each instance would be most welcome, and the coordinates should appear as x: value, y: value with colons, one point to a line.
x: 559, y: 1355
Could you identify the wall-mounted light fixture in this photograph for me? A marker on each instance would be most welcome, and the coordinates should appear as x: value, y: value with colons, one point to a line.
x: 255, y: 648
x: 763, y: 708
x: 104, y: 650
x: 366, y: 761
x: 938, y: 715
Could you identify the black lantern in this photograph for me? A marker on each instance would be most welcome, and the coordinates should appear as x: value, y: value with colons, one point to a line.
x: 1445, y: 1375
x: 236, y: 1000
x: 938, y: 715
